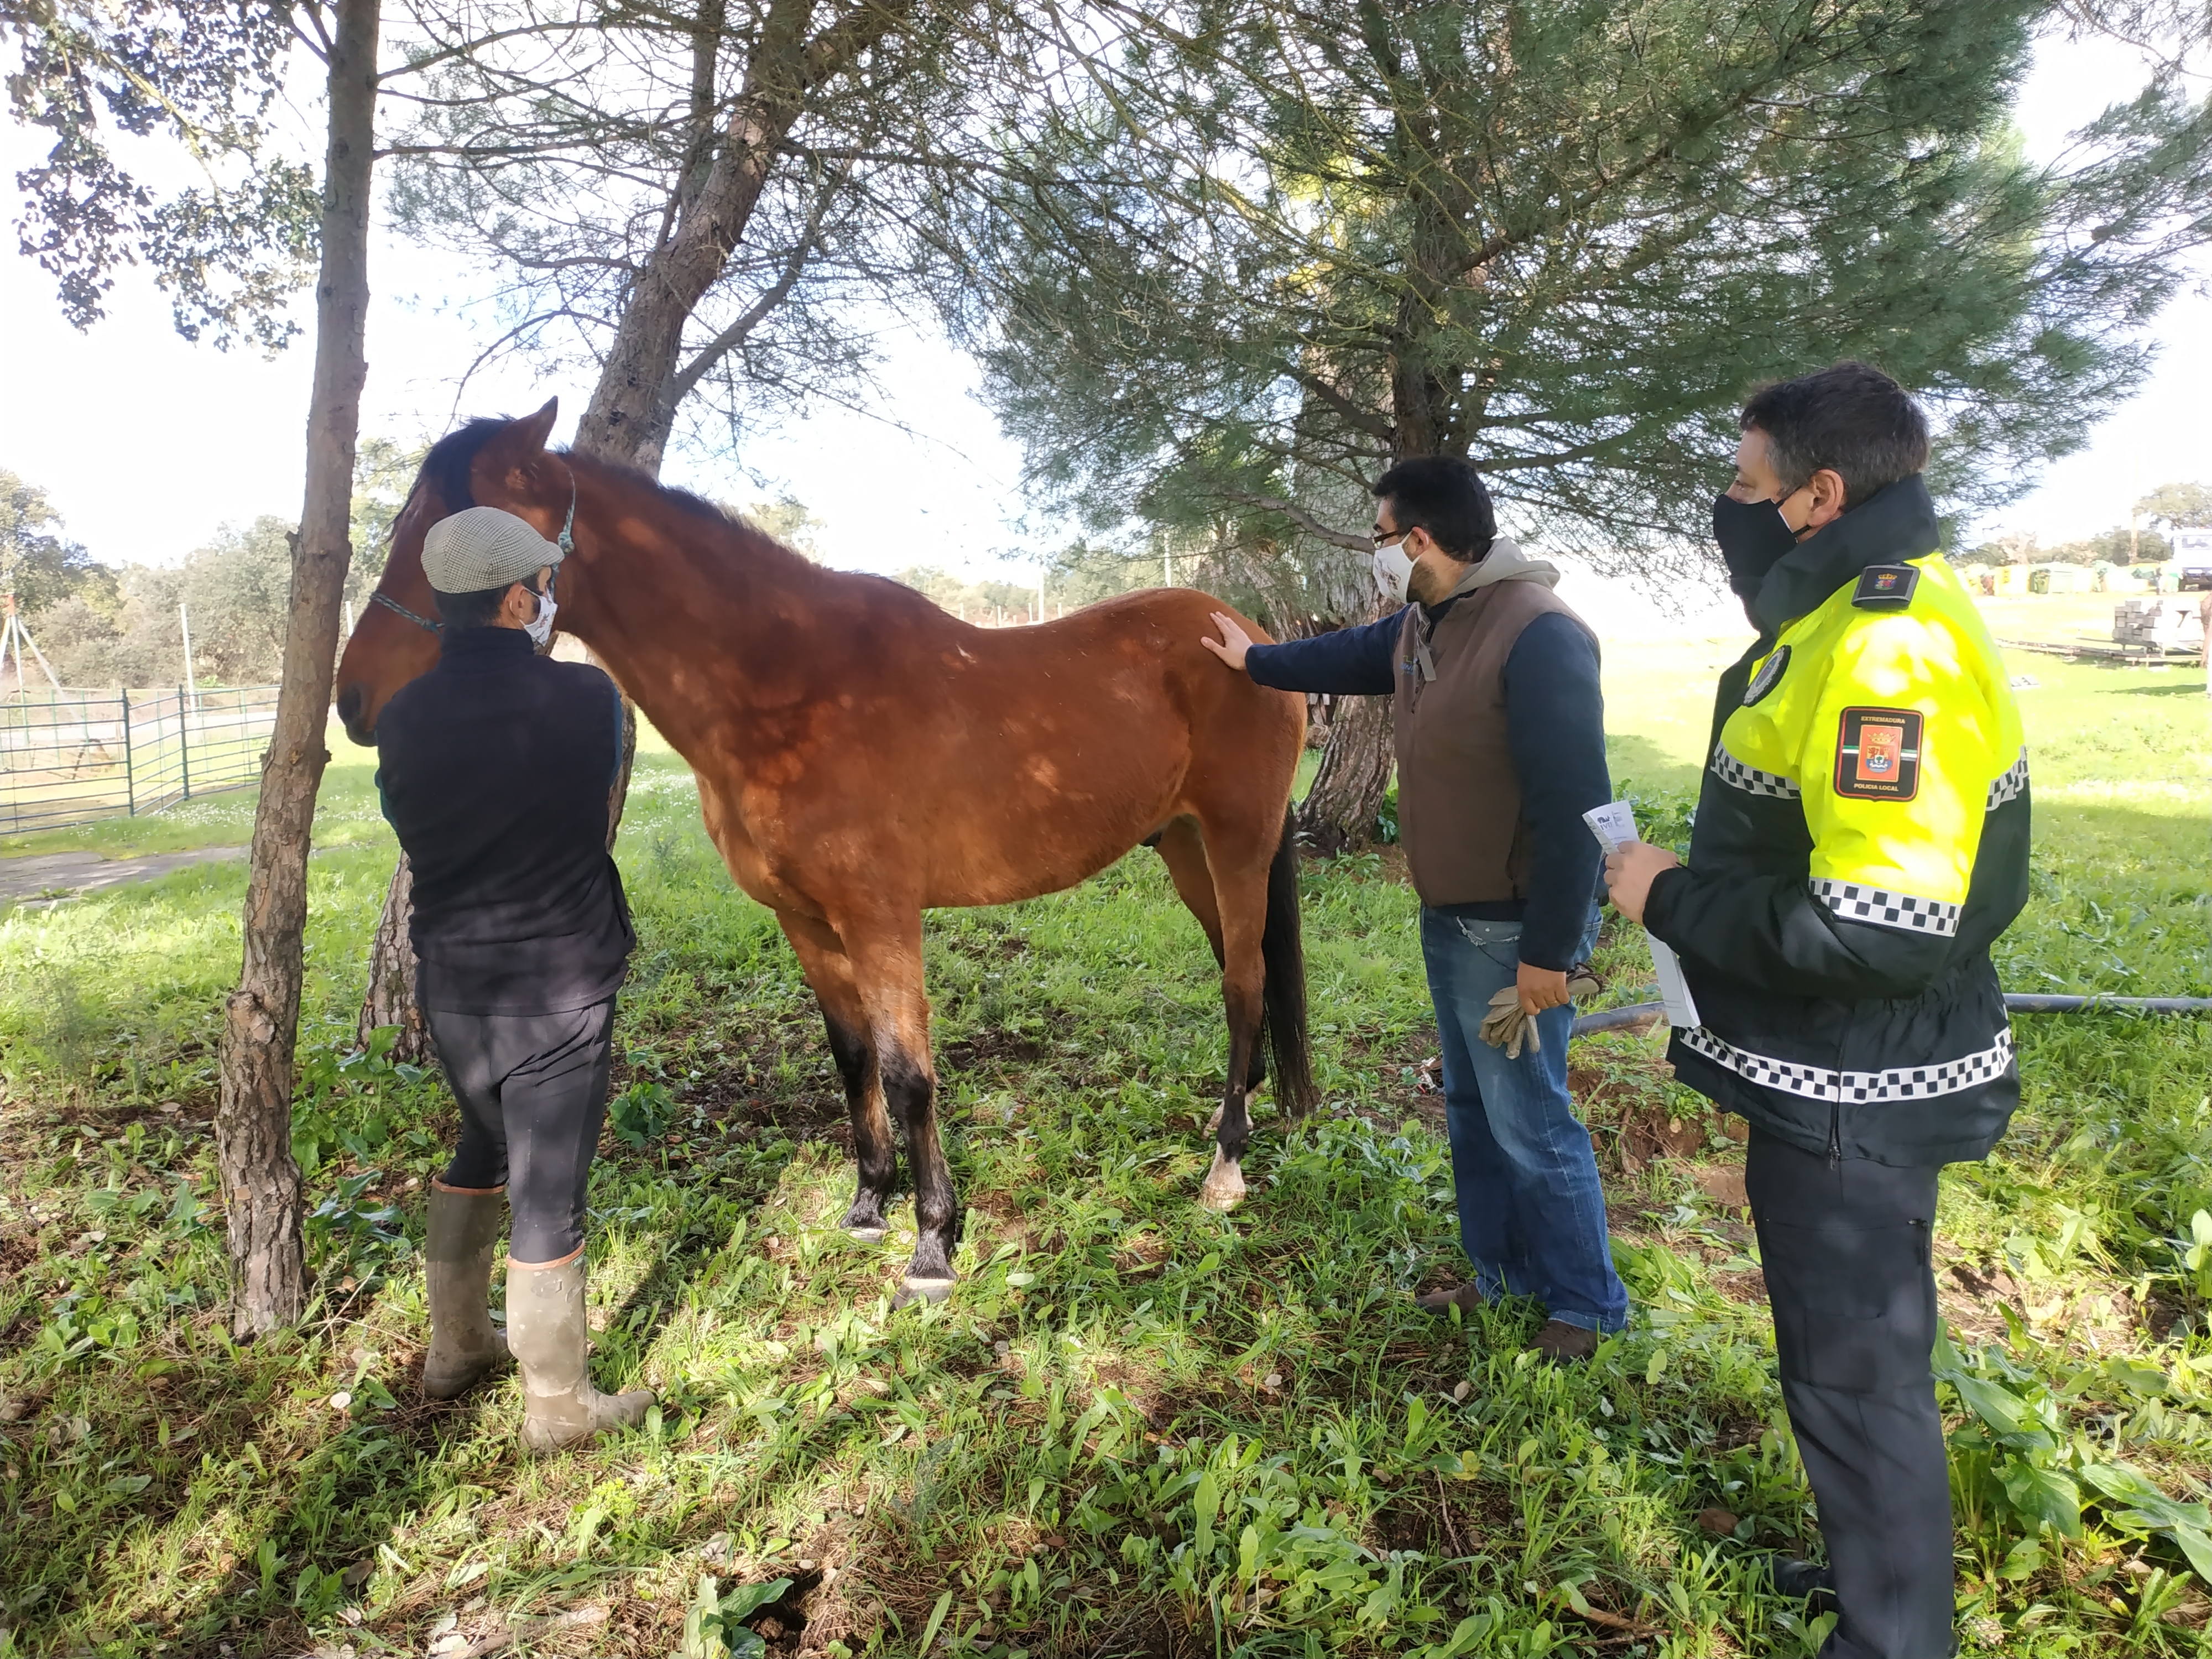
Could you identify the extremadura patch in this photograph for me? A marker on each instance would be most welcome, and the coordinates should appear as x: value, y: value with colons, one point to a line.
x: 1878, y: 754
x: 1769, y: 676
x: 1886, y: 587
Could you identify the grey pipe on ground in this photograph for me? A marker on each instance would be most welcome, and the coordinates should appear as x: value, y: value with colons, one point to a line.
x: 1642, y: 1013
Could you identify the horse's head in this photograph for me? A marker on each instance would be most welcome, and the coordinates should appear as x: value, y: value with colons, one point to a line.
x: 486, y: 462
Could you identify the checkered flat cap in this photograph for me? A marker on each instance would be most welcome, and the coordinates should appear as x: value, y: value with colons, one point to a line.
x: 482, y: 547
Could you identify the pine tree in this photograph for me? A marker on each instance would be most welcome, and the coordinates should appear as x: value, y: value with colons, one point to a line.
x: 1241, y: 257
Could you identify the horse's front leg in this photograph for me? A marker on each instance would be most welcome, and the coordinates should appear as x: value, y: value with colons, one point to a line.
x: 1244, y: 983
x: 829, y: 972
x: 1224, y: 1189
x: 885, y: 950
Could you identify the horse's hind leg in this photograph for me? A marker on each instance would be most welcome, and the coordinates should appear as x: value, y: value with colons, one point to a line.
x: 822, y: 955
x: 1229, y: 896
x: 886, y: 955
x: 1183, y: 850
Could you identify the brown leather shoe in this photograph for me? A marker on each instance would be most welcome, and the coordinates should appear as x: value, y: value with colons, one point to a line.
x: 1562, y: 1344
x: 1466, y: 1297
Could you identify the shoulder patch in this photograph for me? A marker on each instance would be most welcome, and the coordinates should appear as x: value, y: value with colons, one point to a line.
x: 1885, y: 587
x: 1769, y: 676
x: 1878, y: 754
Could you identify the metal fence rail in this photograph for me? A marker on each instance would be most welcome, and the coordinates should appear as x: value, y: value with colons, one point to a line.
x: 70, y: 758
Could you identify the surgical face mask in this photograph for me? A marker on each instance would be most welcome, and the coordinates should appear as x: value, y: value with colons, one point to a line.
x: 540, y: 627
x: 1753, y: 536
x: 1394, y: 569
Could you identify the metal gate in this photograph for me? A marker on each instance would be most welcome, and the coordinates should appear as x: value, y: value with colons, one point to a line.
x: 70, y: 758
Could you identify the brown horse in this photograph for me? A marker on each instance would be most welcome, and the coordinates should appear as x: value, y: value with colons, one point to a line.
x: 862, y: 756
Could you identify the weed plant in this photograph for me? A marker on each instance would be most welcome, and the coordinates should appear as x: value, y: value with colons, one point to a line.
x: 1137, y: 1427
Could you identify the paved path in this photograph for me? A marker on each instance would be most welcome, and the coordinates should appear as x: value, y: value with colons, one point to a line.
x: 51, y: 877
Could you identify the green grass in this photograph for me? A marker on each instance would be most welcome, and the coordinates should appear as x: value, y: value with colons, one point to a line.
x: 1137, y: 1427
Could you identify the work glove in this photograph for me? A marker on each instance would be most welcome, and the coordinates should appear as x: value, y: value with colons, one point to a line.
x: 1506, y: 1027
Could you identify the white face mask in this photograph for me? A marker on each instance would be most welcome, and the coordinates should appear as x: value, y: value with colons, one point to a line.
x: 540, y: 627
x: 1394, y: 569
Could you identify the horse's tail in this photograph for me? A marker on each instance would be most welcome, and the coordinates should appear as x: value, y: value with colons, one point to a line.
x: 1283, y: 951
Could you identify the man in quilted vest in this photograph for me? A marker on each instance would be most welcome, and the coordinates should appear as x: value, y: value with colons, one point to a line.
x: 1500, y: 735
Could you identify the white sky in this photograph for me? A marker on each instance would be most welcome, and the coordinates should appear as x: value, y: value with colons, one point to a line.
x: 204, y: 438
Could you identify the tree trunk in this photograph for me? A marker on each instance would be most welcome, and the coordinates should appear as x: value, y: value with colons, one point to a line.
x: 391, y: 1000
x: 618, y: 797
x: 633, y: 404
x: 262, y: 1188
x: 1339, y: 813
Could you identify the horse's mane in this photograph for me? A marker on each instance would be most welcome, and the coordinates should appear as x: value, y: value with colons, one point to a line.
x: 447, y: 465
x: 698, y: 506
x: 449, y: 462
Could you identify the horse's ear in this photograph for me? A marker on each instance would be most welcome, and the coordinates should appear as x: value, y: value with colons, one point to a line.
x: 528, y: 435
x: 509, y: 457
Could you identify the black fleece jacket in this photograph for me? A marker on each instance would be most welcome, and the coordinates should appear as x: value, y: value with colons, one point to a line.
x: 495, y: 768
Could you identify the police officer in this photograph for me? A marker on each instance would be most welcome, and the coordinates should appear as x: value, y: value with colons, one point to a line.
x: 1861, y: 841
x: 496, y: 769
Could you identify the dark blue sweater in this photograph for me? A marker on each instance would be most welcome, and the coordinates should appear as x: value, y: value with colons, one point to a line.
x: 1555, y: 730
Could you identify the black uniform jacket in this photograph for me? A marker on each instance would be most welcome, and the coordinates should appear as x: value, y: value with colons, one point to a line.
x: 1861, y: 841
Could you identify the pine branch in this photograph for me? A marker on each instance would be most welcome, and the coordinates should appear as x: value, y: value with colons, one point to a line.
x: 1304, y: 521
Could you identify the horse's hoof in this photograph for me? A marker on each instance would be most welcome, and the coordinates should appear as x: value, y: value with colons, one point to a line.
x: 1224, y: 1188
x: 923, y: 1290
x: 868, y: 1235
x: 1214, y: 1123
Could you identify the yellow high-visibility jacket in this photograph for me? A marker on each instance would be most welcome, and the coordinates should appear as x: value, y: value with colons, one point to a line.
x: 1861, y: 841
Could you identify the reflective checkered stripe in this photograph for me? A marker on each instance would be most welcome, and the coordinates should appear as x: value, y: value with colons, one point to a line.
x: 1908, y: 913
x: 2012, y: 786
x: 1815, y: 1082
x: 1734, y: 773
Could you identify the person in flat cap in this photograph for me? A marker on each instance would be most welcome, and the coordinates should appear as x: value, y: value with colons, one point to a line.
x: 497, y: 770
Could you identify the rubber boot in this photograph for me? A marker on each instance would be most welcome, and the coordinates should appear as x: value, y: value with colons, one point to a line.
x: 465, y: 1346
x: 545, y: 1327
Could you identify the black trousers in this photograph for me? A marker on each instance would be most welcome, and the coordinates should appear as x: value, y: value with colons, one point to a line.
x: 1849, y: 1276
x: 532, y: 1090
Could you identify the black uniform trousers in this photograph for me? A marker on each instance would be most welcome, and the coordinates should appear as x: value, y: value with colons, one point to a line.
x: 1849, y: 1276
x: 532, y: 1090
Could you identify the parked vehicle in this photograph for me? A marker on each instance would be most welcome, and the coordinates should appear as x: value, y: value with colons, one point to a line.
x: 2192, y: 559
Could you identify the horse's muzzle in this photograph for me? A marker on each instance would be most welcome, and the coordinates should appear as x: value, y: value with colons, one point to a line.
x: 350, y: 705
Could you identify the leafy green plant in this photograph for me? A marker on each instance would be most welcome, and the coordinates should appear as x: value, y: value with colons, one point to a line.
x: 2197, y: 1256
x: 2021, y: 1459
x: 1664, y: 817
x: 641, y: 1114
x: 353, y: 1230
x: 714, y: 1624
x: 84, y: 1324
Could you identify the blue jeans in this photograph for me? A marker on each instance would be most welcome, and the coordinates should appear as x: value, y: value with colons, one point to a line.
x: 1531, y: 1212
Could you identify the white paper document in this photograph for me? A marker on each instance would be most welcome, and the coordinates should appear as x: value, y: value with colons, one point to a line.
x: 1614, y: 823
